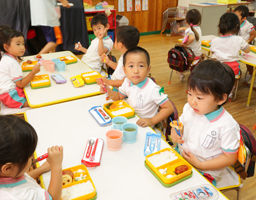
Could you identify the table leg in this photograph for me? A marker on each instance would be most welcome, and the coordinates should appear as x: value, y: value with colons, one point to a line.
x: 251, y: 86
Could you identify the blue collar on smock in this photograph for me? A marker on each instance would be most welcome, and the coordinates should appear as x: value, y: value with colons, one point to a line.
x: 140, y: 85
x: 12, y: 182
x: 215, y: 115
x: 242, y: 24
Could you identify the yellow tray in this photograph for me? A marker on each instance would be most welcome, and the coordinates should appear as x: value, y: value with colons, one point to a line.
x: 88, y: 178
x: 121, y: 109
x: 40, y: 81
x: 170, y: 167
x: 206, y: 43
x: 90, y: 77
x: 28, y: 67
x: 253, y: 49
x: 77, y: 80
x: 68, y: 59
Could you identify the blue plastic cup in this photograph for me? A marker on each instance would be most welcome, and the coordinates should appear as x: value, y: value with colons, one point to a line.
x: 130, y: 131
x: 55, y: 60
x: 118, y: 122
x: 60, y: 66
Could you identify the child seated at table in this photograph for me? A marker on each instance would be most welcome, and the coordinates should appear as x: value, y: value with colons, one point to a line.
x: 12, y: 82
x: 247, y: 31
x: 127, y: 37
x: 210, y: 136
x: 18, y: 140
x: 141, y: 92
x: 102, y: 44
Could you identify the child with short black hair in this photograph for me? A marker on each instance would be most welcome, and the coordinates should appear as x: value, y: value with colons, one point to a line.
x: 141, y: 92
x: 18, y: 141
x: 247, y: 31
x: 226, y: 48
x: 127, y: 37
x: 102, y: 44
x: 210, y: 136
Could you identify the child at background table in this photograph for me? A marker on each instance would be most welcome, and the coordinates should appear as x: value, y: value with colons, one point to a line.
x: 226, y: 48
x: 12, y: 81
x: 193, y: 35
x: 127, y: 37
x: 141, y: 92
x: 18, y: 141
x: 100, y: 45
x: 247, y: 31
x: 210, y: 137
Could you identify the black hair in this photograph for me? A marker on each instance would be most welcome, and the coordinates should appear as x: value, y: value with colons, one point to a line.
x: 212, y: 77
x: 194, y: 17
x: 99, y: 18
x: 136, y: 50
x: 244, y: 10
x: 6, y: 35
x: 129, y: 36
x: 229, y: 23
x: 18, y: 140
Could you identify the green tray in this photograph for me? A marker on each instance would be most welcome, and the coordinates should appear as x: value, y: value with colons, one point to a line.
x: 41, y: 86
x: 164, y: 184
x: 95, y: 197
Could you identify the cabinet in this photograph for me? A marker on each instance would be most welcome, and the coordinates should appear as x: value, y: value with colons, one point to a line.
x: 111, y: 20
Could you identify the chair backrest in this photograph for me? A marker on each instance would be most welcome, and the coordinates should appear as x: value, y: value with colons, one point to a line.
x: 170, y: 12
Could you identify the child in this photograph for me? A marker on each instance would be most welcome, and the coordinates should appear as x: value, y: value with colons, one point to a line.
x: 18, y: 141
x: 127, y: 37
x: 210, y: 139
x: 43, y: 13
x: 226, y: 47
x: 100, y: 45
x: 193, y: 35
x: 246, y: 31
x: 141, y: 92
x: 12, y: 81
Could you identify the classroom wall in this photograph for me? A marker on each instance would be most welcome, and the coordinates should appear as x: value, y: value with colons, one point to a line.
x: 145, y: 21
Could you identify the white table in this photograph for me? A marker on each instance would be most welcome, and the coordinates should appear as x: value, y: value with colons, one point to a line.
x: 58, y: 93
x: 122, y: 174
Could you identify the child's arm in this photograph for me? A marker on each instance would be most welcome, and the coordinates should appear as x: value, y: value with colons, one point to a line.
x: 114, y: 83
x: 55, y: 156
x: 79, y: 47
x: 64, y: 3
x: 223, y: 160
x: 45, y: 167
x: 110, y: 63
x: 165, y: 111
x: 23, y: 82
x: 101, y: 48
x: 247, y: 50
x: 191, y: 38
x: 115, y: 96
x: 182, y: 29
x: 252, y: 36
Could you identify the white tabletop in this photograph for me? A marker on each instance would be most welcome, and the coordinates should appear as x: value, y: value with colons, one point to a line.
x: 122, y: 174
x: 58, y: 93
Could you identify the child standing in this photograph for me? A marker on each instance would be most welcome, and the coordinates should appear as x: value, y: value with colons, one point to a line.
x: 127, y: 37
x: 12, y: 81
x: 226, y: 47
x: 100, y: 45
x: 193, y: 35
x: 210, y: 137
x: 141, y: 92
x: 247, y: 31
x: 18, y: 141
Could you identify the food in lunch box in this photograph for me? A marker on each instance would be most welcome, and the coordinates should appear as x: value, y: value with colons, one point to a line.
x: 29, y: 62
x: 180, y: 169
x: 38, y: 56
x: 63, y: 59
x: 113, y: 106
x: 67, y: 177
x: 162, y: 158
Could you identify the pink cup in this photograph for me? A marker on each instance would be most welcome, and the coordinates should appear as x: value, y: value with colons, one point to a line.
x: 48, y: 65
x: 114, y: 139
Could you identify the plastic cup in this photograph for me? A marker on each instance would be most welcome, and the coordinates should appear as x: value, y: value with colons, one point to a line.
x: 50, y: 66
x: 55, y: 60
x: 44, y: 63
x: 130, y: 131
x: 114, y: 139
x: 60, y: 66
x: 118, y: 122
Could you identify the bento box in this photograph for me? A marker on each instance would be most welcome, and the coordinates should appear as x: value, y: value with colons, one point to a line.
x: 77, y: 81
x: 206, y: 43
x: 119, y: 108
x: 77, y: 180
x: 253, y: 49
x: 40, y: 81
x: 68, y: 59
x: 28, y: 65
x: 171, y: 167
x: 90, y: 77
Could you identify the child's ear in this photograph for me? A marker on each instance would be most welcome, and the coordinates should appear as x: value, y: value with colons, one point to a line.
x: 149, y: 67
x: 7, y: 169
x: 6, y: 47
x: 224, y: 99
x: 107, y: 26
x: 124, y: 69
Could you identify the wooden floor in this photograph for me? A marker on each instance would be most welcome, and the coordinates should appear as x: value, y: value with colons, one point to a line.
x: 158, y: 47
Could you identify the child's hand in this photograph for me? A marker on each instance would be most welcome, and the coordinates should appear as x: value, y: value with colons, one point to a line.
x: 78, y: 46
x: 104, y: 88
x: 36, y: 68
x: 182, y: 29
x: 104, y: 58
x: 100, y: 80
x: 101, y: 35
x: 144, y: 122
x: 191, y: 158
x: 175, y: 137
x: 65, y: 4
x: 55, y: 155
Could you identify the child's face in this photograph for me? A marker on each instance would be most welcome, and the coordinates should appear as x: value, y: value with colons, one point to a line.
x: 16, y: 47
x: 136, y: 67
x: 240, y: 17
x: 202, y: 103
x: 99, y: 30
